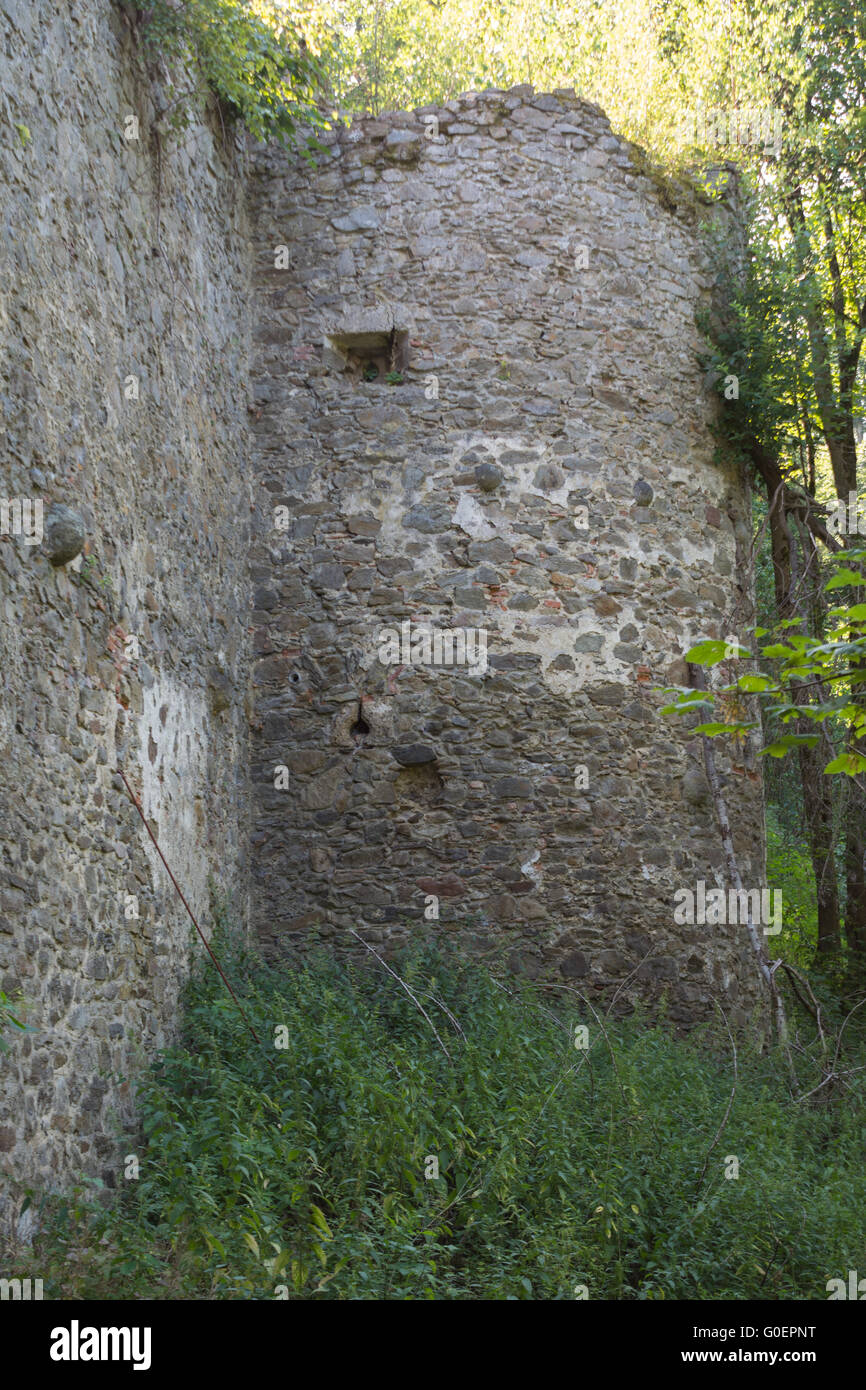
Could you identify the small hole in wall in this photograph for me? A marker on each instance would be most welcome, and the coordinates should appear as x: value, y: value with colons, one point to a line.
x: 295, y: 678
x: 360, y: 726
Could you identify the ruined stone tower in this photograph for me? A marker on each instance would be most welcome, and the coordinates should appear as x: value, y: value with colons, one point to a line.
x: 431, y: 411
x: 481, y: 434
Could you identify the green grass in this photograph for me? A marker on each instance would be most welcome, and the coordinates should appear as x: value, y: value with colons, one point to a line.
x: 303, y: 1168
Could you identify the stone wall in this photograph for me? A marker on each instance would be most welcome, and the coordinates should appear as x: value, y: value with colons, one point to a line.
x: 479, y: 407
x: 475, y: 411
x: 122, y: 274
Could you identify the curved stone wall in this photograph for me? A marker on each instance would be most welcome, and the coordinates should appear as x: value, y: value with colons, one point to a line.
x: 480, y: 420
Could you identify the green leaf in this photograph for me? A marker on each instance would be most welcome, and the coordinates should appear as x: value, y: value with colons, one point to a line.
x: 754, y: 682
x: 783, y: 745
x: 685, y: 706
x: 319, y: 1220
x: 707, y: 653
x: 844, y: 577
x: 687, y: 696
x: 850, y: 763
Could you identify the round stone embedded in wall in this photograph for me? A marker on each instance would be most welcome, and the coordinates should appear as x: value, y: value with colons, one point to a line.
x: 488, y: 476
x: 643, y: 493
x: 548, y: 477
x: 64, y: 534
x: 695, y: 789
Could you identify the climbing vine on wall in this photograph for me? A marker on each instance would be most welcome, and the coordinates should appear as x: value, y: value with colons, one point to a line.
x: 265, y: 73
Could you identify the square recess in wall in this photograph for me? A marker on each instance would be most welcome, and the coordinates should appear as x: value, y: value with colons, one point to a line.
x: 372, y: 356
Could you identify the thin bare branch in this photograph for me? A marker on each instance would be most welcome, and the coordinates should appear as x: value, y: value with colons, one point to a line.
x: 724, y: 1121
x: 403, y: 985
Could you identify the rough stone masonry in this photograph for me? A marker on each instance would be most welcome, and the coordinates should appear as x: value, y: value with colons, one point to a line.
x: 123, y: 330
x: 480, y: 423
x: 486, y: 525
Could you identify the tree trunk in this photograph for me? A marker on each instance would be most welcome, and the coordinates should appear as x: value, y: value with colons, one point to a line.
x: 803, y: 599
x: 855, y: 875
x: 818, y: 807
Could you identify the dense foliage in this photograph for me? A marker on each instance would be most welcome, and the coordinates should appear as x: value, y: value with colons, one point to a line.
x: 830, y: 668
x: 281, y: 63
x: 304, y: 1166
x: 792, y: 342
x: 265, y: 69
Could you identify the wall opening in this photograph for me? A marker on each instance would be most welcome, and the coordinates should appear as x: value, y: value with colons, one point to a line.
x: 373, y: 356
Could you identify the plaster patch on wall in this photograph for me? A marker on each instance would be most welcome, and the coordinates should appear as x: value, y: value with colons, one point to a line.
x: 469, y: 517
x: 172, y: 736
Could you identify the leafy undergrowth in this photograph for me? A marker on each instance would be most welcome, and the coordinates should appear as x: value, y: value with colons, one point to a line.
x: 305, y: 1170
